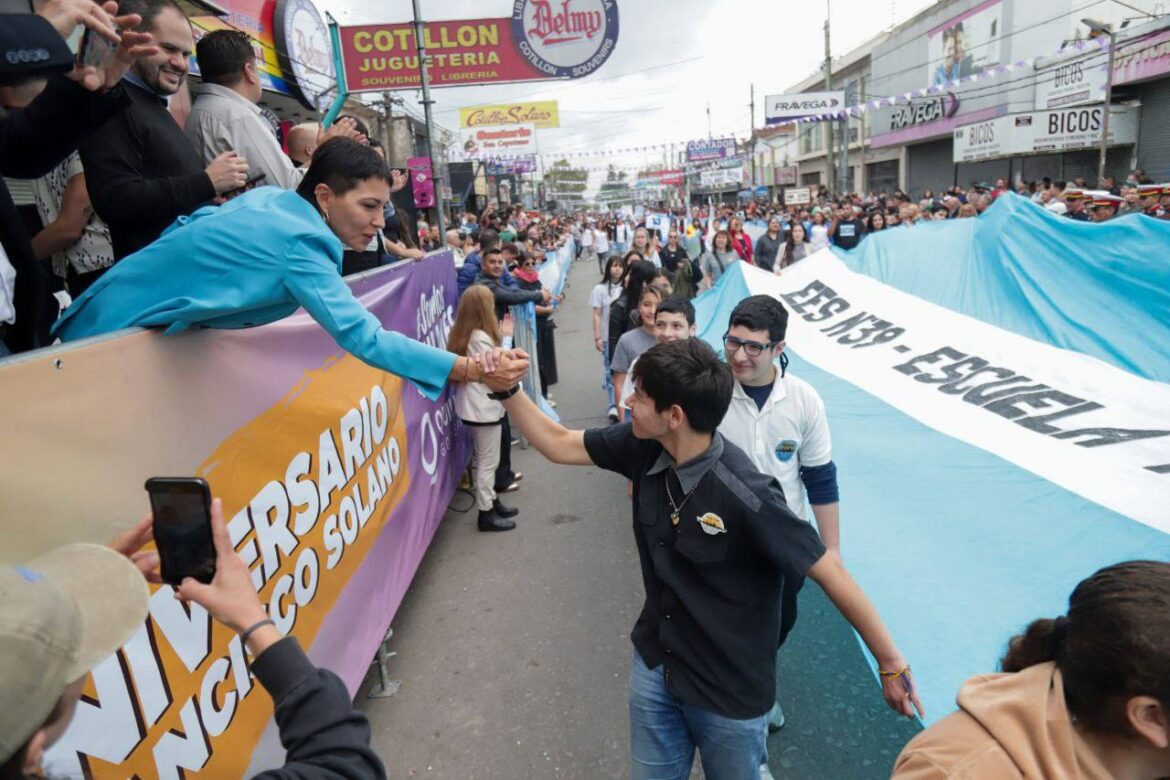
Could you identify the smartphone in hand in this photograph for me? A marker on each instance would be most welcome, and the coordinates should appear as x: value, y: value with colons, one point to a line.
x: 182, y: 528
x: 94, y: 50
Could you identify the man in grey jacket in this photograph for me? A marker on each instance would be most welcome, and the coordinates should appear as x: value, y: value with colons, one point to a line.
x: 226, y: 116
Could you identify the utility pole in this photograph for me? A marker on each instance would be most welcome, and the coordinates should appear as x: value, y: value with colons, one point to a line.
x: 426, y: 101
x: 709, y: 136
x: 862, y: 174
x: 830, y: 158
x: 752, y: 137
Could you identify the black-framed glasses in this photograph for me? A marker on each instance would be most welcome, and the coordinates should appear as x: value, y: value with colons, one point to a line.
x: 751, y: 348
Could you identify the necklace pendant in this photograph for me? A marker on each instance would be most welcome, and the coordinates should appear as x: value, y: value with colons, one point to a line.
x: 674, y: 518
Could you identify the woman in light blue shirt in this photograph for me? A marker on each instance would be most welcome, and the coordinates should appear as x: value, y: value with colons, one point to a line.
x: 262, y: 255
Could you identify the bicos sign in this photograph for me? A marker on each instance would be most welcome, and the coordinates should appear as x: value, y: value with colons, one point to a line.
x: 542, y: 40
x: 1041, y: 132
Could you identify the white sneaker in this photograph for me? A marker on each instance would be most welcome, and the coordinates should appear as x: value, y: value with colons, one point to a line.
x: 775, y: 719
x: 612, y: 414
x: 766, y: 773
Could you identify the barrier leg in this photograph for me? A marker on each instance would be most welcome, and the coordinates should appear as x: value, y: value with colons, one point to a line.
x: 385, y: 687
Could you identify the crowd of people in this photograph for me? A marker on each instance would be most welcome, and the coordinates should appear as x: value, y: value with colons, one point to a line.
x: 264, y: 228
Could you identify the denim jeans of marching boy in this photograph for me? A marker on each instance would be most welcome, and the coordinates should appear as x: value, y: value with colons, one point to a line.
x: 606, y: 375
x: 665, y: 731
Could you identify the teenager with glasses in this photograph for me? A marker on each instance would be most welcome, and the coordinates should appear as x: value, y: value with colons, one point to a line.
x: 779, y: 421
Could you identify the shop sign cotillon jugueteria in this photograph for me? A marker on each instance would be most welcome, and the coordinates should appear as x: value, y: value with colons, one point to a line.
x: 543, y: 39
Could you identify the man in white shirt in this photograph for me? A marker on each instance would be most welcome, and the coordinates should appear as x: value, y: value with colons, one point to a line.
x: 779, y: 421
x: 622, y: 235
x: 601, y: 246
x: 587, y: 237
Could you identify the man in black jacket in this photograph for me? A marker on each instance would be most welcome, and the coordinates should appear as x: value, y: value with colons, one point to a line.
x: 33, y: 140
x: 491, y: 268
x: 141, y: 170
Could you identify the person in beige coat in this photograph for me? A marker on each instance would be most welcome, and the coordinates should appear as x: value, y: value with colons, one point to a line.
x: 1083, y: 697
x: 477, y: 332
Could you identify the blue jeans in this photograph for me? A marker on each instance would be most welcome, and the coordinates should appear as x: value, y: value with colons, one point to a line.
x: 664, y: 732
x: 607, y: 376
x: 618, y: 249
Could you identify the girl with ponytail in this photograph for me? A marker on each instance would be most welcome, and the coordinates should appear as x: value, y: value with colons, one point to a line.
x: 1084, y: 695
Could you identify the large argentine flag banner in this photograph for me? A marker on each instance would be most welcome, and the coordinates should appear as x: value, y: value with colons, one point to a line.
x: 998, y: 395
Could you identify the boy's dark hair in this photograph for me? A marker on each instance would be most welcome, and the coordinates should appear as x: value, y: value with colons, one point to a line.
x: 761, y: 312
x: 222, y: 56
x: 687, y: 373
x: 148, y: 10
x: 676, y: 305
x: 492, y: 250
x: 341, y: 164
x: 511, y: 249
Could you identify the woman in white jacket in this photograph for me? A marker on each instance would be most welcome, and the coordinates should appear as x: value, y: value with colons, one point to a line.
x: 475, y: 332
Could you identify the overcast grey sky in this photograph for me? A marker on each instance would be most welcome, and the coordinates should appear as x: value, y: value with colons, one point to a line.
x: 672, y: 57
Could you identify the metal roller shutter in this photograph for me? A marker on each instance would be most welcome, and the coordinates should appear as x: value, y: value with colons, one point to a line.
x: 930, y: 166
x: 1153, y: 138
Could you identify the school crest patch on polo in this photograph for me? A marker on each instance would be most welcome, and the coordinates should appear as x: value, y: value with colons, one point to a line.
x: 786, y: 449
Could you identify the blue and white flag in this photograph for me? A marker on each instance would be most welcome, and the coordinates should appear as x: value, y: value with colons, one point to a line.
x: 999, y: 397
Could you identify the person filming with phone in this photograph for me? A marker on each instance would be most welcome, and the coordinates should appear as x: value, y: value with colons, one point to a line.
x: 68, y: 610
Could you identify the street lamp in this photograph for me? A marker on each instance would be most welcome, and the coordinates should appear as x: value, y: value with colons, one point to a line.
x: 1100, y: 28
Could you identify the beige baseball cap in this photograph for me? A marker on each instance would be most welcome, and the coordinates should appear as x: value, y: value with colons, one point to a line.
x: 60, y: 616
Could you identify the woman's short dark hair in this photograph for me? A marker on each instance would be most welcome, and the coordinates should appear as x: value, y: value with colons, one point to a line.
x: 342, y: 164
x: 761, y: 312
x: 688, y: 374
x: 1111, y: 646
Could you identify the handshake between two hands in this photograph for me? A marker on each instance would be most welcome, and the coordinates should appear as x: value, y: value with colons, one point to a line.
x: 503, y: 368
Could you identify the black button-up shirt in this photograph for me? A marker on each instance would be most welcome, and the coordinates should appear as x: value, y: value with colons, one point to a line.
x: 714, y: 581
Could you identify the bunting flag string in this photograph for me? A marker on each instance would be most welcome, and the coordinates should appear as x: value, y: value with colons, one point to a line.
x: 1101, y: 44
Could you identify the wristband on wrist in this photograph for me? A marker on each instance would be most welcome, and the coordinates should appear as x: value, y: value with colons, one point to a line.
x: 253, y: 628
x: 506, y: 394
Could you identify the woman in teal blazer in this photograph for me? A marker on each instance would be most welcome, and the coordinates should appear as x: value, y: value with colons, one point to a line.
x: 259, y: 257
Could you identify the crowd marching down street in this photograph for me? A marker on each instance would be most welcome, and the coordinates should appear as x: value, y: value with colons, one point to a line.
x: 736, y: 387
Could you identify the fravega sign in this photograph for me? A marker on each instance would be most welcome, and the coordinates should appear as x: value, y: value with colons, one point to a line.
x: 924, y: 112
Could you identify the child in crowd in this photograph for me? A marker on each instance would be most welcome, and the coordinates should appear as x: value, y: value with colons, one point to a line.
x: 475, y: 332
x: 608, y: 290
x: 634, y: 342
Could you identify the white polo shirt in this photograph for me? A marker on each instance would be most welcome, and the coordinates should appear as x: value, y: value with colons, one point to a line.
x: 789, y: 432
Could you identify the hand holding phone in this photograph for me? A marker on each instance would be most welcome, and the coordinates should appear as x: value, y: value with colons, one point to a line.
x: 181, y: 509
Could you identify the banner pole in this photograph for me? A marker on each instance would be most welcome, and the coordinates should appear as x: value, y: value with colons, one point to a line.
x: 426, y: 101
x: 338, y: 69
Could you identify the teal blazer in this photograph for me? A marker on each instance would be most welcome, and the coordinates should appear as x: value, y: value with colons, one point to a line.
x: 254, y: 260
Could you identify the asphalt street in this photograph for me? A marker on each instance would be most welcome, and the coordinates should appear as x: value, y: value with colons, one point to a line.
x: 513, y: 649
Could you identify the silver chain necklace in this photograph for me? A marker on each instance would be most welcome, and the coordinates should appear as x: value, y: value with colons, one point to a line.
x: 676, y: 508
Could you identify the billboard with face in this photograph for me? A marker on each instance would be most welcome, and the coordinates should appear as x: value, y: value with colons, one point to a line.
x: 965, y: 45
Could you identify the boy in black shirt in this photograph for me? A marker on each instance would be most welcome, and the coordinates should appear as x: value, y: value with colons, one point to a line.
x: 717, y: 546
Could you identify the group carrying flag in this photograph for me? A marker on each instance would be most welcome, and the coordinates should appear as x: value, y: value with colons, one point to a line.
x: 998, y: 391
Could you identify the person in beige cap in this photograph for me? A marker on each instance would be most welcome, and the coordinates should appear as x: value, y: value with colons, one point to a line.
x: 67, y: 611
x: 60, y: 616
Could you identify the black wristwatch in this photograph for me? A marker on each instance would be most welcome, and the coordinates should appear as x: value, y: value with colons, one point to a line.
x: 504, y: 396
